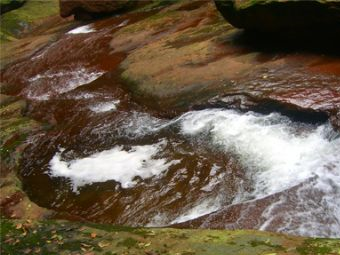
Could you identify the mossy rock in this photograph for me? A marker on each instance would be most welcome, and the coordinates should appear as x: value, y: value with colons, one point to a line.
x: 14, y: 22
x: 280, y: 16
x: 9, y: 5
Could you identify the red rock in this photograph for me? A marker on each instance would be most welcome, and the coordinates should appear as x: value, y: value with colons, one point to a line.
x: 87, y: 9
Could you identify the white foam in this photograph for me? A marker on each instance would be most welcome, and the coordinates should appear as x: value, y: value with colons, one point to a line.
x: 114, y: 164
x: 105, y: 107
x: 278, y: 155
x: 124, y: 23
x: 82, y: 30
x: 268, y: 146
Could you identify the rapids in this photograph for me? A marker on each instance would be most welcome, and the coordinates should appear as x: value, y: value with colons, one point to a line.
x: 107, y: 158
x: 220, y: 158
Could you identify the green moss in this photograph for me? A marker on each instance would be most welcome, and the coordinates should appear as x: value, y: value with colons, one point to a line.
x: 194, y: 35
x: 3, y: 2
x: 61, y: 237
x: 23, y: 241
x: 318, y: 246
x: 128, y: 242
x: 110, y: 228
x: 73, y: 245
x: 16, y: 21
x: 255, y: 243
x: 156, y: 22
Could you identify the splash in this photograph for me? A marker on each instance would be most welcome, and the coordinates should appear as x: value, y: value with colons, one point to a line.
x: 269, y: 146
x: 299, y: 162
x: 105, y: 107
x: 82, y: 30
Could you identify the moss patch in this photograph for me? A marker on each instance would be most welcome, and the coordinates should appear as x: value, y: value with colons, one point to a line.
x: 15, y: 128
x: 15, y: 22
x: 61, y: 237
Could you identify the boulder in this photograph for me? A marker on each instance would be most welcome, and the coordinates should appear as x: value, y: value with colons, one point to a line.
x: 87, y: 9
x: 280, y: 16
x: 9, y: 5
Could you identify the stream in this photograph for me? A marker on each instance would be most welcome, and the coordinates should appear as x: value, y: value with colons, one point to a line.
x: 109, y: 159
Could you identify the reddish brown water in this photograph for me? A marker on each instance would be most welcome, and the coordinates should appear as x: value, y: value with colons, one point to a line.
x: 231, y: 165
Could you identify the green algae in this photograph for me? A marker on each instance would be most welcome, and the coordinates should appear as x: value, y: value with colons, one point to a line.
x: 62, y: 237
x: 316, y: 246
x: 15, y: 22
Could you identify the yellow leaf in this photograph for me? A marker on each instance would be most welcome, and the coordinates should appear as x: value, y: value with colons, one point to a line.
x: 151, y: 233
x: 103, y: 244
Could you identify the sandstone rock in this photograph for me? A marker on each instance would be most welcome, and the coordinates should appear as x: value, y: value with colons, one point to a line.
x: 87, y: 9
x: 280, y: 15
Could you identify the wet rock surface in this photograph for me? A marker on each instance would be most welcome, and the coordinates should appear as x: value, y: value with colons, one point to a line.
x: 182, y: 100
x: 211, y: 58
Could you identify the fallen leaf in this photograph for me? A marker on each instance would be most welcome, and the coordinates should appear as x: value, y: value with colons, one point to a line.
x: 147, y: 244
x: 26, y: 225
x: 18, y: 226
x: 103, y: 244
x: 10, y: 241
x: 151, y: 233
x: 140, y: 245
x: 93, y: 235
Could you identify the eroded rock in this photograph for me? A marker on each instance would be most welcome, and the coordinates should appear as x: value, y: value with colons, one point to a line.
x: 87, y: 9
x: 280, y: 16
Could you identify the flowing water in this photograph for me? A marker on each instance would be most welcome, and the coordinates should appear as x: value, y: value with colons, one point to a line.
x: 108, y: 159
